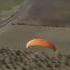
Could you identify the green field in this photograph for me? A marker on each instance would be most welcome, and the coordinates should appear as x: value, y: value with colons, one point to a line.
x: 8, y: 4
x: 8, y: 7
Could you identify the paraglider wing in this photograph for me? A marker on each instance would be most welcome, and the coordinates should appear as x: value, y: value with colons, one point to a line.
x: 40, y: 43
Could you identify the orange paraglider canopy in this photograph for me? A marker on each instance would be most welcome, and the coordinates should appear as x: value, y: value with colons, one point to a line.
x: 40, y: 43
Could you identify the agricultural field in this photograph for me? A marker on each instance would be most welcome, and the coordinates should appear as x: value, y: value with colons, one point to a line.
x: 19, y: 23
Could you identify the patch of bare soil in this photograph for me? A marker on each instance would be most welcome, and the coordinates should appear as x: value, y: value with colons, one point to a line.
x: 42, y: 13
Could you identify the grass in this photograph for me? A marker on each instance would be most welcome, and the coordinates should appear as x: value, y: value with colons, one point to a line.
x: 8, y: 7
x: 8, y: 4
